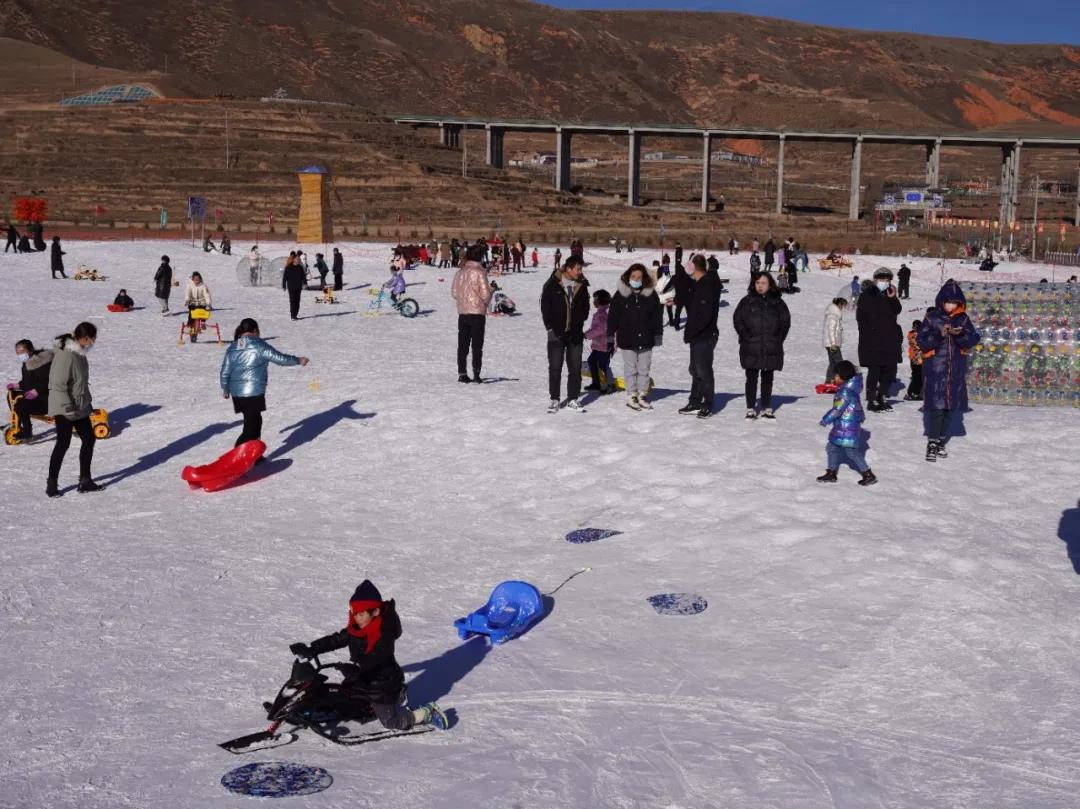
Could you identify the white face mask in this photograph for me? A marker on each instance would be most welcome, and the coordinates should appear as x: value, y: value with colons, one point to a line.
x: 87, y: 348
x: 22, y: 357
x: 882, y: 285
x: 635, y: 284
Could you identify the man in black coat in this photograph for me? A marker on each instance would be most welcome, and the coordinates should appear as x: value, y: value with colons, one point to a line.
x: 57, y: 258
x: 880, y: 338
x: 294, y: 279
x: 564, y: 305
x: 12, y: 238
x: 701, y: 335
x: 903, y: 277
x: 338, y: 268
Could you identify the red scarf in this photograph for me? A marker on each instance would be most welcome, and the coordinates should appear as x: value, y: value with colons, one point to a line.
x: 373, y: 631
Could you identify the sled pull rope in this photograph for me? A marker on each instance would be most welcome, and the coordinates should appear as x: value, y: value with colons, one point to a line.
x: 568, y: 578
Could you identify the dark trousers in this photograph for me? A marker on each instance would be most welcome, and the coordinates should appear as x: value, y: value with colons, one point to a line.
x: 879, y: 379
x: 470, y: 332
x: 600, y: 363
x: 252, y: 427
x: 834, y: 357
x: 25, y: 408
x: 939, y: 424
x: 903, y: 288
x: 558, y: 351
x: 914, y: 388
x: 337, y: 282
x: 11, y: 244
x: 64, y: 429
x: 294, y: 302
x: 702, y: 381
x: 752, y: 384
x: 674, y: 314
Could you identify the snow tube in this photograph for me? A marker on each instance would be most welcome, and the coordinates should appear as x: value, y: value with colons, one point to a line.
x: 512, y: 608
x: 115, y: 307
x: 226, y: 469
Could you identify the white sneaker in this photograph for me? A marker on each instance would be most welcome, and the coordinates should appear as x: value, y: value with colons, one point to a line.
x: 645, y: 403
x: 751, y: 414
x: 553, y: 406
x: 632, y: 402
x: 575, y: 404
x: 767, y: 413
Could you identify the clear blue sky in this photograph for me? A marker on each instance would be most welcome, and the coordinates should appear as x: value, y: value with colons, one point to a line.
x: 1054, y: 21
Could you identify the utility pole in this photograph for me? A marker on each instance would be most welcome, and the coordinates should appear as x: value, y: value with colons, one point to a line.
x: 1035, y: 221
x: 226, y: 139
x: 464, y: 152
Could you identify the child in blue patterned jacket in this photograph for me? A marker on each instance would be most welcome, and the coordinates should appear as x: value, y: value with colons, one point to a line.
x: 846, y: 418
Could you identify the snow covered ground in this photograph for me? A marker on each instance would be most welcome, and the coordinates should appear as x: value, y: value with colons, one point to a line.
x: 915, y: 644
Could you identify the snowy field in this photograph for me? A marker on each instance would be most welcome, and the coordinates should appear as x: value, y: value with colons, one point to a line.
x: 915, y: 644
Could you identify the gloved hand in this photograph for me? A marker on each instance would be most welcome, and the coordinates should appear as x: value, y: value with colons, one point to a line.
x: 301, y: 650
x: 30, y: 395
x: 658, y: 341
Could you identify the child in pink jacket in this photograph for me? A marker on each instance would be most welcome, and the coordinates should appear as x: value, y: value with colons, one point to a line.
x: 602, y: 345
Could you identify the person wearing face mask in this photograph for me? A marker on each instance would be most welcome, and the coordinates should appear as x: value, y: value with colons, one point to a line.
x: 564, y: 306
x: 946, y: 337
x: 880, y: 338
x: 70, y: 405
x: 762, y: 321
x: 636, y: 321
x: 33, y: 387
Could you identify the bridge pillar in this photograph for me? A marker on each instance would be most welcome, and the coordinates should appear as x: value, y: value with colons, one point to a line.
x: 633, y: 185
x: 706, y: 171
x: 562, y: 159
x: 856, y: 179
x: 495, y: 146
x: 933, y: 164
x: 780, y: 178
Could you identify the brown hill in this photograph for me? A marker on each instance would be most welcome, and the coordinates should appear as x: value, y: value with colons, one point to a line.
x: 523, y: 59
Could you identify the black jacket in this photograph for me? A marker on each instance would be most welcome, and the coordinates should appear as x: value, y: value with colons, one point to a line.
x: 376, y: 674
x: 880, y: 336
x: 762, y: 323
x: 35, y: 374
x: 703, y: 309
x: 770, y: 251
x: 904, y: 273
x: 566, y: 319
x: 163, y: 281
x: 684, y: 285
x: 635, y: 318
x: 321, y: 268
x: 57, y: 257
x: 294, y: 278
x: 12, y: 235
x: 339, y: 264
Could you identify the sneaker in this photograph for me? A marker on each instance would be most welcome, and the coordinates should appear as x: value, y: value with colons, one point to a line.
x: 553, y: 406
x: 931, y: 450
x: 476, y: 378
x: 433, y: 715
x: 194, y: 338
x: 463, y: 378
x: 632, y: 402
x: 751, y: 414
x: 941, y: 452
x: 909, y: 398
x: 52, y: 490
x: 23, y: 435
x: 767, y: 413
x: 704, y: 413
x: 88, y: 485
x: 868, y: 478
x: 575, y: 405
x: 828, y: 477
x: 689, y: 409
x: 645, y: 403
x: 884, y: 407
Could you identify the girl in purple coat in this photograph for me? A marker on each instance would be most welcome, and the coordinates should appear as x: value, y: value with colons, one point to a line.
x: 846, y: 418
x: 946, y: 338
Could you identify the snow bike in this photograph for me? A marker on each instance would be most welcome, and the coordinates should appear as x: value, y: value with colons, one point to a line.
x: 333, y: 710
x: 407, y: 307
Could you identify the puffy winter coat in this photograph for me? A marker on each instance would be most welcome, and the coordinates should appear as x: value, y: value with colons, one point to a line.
x: 635, y: 317
x: 294, y: 278
x: 565, y: 317
x: 244, y: 368
x: 375, y: 674
x: 35, y: 374
x: 163, y: 280
x: 598, y: 331
x: 56, y: 257
x: 396, y: 284
x: 762, y: 323
x: 198, y: 295
x: 338, y: 266
x: 944, y: 354
x: 703, y: 309
x: 880, y: 336
x: 846, y: 414
x: 69, y: 380
x: 834, y: 327
x: 471, y: 289
x: 684, y: 286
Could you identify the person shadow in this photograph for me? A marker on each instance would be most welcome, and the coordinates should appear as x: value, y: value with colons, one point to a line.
x: 166, y: 453
x: 780, y: 401
x: 1069, y: 533
x: 121, y: 418
x: 722, y: 400
x: 308, y: 429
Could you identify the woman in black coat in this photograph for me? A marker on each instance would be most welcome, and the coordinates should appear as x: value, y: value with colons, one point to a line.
x: 636, y: 320
x: 57, y: 258
x: 762, y: 321
x: 163, y: 284
x: 880, y: 338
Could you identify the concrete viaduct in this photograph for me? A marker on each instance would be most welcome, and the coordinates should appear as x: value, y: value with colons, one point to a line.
x: 450, y: 130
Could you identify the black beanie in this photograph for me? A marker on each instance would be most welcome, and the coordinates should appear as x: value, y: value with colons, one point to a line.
x: 366, y: 592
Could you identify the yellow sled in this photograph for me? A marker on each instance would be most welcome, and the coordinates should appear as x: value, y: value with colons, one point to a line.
x: 620, y: 383
x: 99, y: 420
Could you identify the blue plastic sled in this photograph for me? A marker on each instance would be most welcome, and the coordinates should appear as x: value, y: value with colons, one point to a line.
x: 512, y: 608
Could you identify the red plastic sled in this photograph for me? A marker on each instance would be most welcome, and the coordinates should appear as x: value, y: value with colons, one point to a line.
x: 115, y: 307
x: 826, y: 387
x: 230, y: 466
